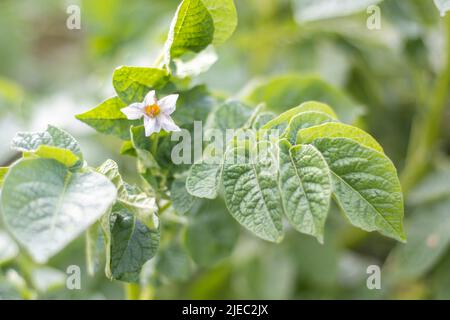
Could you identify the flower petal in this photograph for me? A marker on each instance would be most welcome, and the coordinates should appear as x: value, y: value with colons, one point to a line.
x: 151, y: 125
x: 167, y: 123
x: 168, y: 104
x: 133, y: 111
x: 150, y: 98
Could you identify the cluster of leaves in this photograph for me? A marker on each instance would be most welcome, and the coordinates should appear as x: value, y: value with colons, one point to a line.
x: 51, y: 196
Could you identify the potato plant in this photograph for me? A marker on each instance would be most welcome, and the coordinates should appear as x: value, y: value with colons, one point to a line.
x: 278, y: 158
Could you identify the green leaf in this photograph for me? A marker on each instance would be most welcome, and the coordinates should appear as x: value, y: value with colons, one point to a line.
x: 204, y: 177
x: 3, y: 172
x: 229, y: 115
x: 199, y: 64
x: 192, y: 29
x: 174, y: 263
x: 224, y: 15
x: 132, y: 245
x: 338, y: 130
x: 52, y: 143
x: 107, y: 118
x: 282, y: 121
x: 428, y: 240
x: 251, y: 192
x: 443, y: 6
x: 305, y: 120
x: 365, y: 186
x: 284, y: 92
x: 8, y: 248
x: 211, y: 234
x: 182, y: 200
x: 133, y: 83
x: 46, y: 206
x: 305, y: 185
x: 131, y: 197
x: 307, y: 11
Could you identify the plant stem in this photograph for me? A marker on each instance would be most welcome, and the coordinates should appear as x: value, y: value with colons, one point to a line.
x: 132, y: 291
x: 427, y: 125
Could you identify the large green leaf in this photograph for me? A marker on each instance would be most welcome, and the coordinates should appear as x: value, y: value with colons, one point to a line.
x: 204, y: 178
x: 192, y: 29
x: 229, y: 115
x: 107, y: 118
x: 251, y: 192
x: 133, y: 83
x: 52, y: 143
x: 224, y: 15
x: 305, y: 120
x: 312, y: 10
x: 46, y: 206
x: 305, y: 185
x: 211, y: 234
x: 338, y: 130
x: 132, y: 245
x: 284, y: 92
x: 365, y: 186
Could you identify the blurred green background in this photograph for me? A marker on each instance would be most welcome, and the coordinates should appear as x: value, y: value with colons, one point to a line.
x: 399, y: 75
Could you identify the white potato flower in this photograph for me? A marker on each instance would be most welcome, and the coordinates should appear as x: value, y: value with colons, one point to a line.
x: 156, y: 112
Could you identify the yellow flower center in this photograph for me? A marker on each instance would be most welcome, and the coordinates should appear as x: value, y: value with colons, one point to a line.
x: 152, y: 110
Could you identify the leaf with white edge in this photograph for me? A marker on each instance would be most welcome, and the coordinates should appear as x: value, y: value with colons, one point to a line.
x: 305, y: 120
x: 8, y: 248
x: 192, y: 29
x: 365, y: 186
x: 251, y: 192
x: 64, y: 156
x: 132, y: 245
x: 133, y: 83
x: 46, y: 206
x: 132, y: 197
x: 282, y: 121
x: 197, y: 65
x: 50, y: 143
x: 313, y: 10
x: 305, y: 185
x: 284, y: 92
x: 338, y: 130
x: 443, y: 6
x: 204, y: 177
x: 182, y: 200
x: 211, y: 234
x: 224, y: 15
x: 428, y: 240
x: 108, y: 119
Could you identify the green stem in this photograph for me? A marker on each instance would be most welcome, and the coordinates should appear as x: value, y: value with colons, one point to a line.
x: 132, y: 291
x: 426, y: 126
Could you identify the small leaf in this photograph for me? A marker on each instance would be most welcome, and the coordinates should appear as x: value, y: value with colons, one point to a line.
x: 224, y: 15
x: 192, y: 29
x: 46, y: 206
x: 211, y: 234
x: 251, y: 193
x: 53, y: 143
x: 204, y: 178
x: 305, y: 185
x: 182, y: 200
x: 132, y: 245
x: 365, y: 186
x: 305, y: 120
x: 108, y: 119
x: 133, y: 83
x: 338, y: 130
